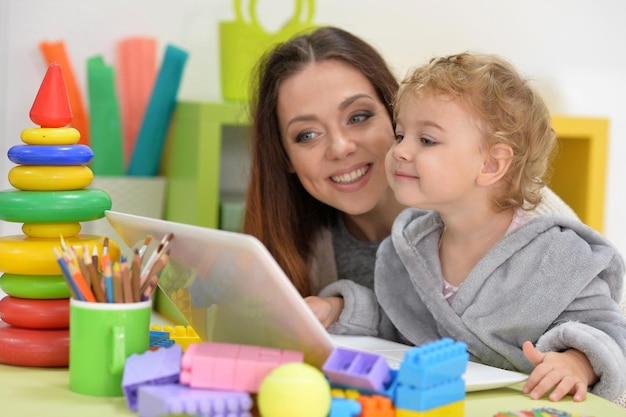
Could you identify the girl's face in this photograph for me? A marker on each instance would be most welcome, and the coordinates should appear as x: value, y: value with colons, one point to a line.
x: 438, y: 153
x: 336, y: 133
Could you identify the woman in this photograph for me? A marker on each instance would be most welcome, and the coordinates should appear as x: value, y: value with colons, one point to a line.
x: 322, y: 123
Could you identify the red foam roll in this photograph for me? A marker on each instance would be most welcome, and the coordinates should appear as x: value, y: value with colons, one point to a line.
x: 34, y: 348
x: 35, y: 314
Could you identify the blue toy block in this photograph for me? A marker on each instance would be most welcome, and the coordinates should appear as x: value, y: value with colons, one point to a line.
x: 422, y: 399
x: 153, y: 367
x: 357, y: 369
x: 160, y: 339
x: 160, y: 400
x: 344, y: 407
x: 433, y: 363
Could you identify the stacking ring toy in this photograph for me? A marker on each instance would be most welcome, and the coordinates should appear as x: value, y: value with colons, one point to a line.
x: 35, y: 314
x: 50, y: 136
x: 50, y: 154
x: 33, y: 256
x: 34, y: 348
x: 53, y: 206
x: 50, y: 178
x: 40, y: 287
x: 51, y: 230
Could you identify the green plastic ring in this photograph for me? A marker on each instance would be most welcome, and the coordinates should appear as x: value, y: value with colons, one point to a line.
x: 34, y: 286
x: 53, y: 206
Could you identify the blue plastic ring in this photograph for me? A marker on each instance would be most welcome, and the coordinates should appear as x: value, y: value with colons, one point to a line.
x: 50, y: 154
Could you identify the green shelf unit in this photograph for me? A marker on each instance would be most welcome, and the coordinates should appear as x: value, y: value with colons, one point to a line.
x: 192, y: 160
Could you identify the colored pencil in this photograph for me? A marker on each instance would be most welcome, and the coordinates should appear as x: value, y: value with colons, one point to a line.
x: 126, y: 284
x: 68, y: 276
x: 96, y: 284
x: 135, y: 277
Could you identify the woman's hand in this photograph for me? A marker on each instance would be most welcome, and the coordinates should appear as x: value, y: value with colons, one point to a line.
x: 568, y: 372
x: 326, y: 309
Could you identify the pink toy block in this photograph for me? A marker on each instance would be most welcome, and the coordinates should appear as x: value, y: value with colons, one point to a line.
x: 226, y: 366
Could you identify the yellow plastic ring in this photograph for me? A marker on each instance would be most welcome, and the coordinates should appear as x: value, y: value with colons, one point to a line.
x: 53, y: 206
x: 35, y: 286
x: 50, y: 136
x: 34, y: 256
x: 51, y: 230
x: 50, y: 178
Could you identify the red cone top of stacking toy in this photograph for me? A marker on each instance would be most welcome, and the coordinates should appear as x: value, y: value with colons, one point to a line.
x: 52, y: 104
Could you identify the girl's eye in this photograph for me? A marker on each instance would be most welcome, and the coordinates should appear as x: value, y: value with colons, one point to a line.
x: 399, y: 137
x: 359, y: 118
x: 427, y: 142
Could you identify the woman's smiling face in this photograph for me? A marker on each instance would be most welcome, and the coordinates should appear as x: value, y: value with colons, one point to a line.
x: 336, y: 132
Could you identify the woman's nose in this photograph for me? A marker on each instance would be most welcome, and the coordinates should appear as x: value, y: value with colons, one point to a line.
x: 340, y: 145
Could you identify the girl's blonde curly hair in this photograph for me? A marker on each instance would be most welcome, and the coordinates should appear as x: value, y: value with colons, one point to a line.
x: 510, y: 110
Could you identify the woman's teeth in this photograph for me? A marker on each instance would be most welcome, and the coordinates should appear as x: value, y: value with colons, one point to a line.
x: 350, y: 176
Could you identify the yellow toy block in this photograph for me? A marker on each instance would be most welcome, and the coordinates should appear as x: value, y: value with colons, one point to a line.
x: 181, y: 335
x: 456, y: 409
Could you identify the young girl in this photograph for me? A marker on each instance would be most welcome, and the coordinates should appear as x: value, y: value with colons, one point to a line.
x: 536, y: 294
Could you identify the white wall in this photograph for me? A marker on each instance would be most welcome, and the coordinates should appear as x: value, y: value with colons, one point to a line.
x: 572, y: 48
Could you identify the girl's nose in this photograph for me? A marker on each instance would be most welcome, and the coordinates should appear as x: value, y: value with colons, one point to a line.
x: 401, y: 151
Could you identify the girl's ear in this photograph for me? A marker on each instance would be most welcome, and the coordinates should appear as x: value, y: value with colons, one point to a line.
x: 496, y: 164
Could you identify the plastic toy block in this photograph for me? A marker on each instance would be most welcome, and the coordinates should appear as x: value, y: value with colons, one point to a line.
x: 344, y: 407
x: 424, y: 399
x: 160, y: 400
x: 158, y: 367
x: 230, y: 366
x: 376, y: 406
x: 433, y: 363
x: 351, y: 394
x: 181, y: 335
x: 51, y: 107
x: 456, y: 409
x: 160, y: 339
x: 357, y: 369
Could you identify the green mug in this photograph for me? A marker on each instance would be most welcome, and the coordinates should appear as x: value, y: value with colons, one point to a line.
x: 102, y: 336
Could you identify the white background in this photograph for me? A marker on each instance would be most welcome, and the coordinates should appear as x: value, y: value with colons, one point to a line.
x: 573, y: 49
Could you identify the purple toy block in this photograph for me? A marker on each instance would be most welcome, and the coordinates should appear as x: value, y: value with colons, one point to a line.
x: 230, y: 366
x: 153, y: 367
x: 358, y: 369
x: 160, y: 400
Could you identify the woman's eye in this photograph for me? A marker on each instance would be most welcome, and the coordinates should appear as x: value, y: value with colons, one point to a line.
x: 359, y: 118
x: 305, y: 137
x: 399, y: 137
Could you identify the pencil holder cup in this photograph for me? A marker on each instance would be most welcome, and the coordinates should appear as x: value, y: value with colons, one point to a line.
x: 102, y: 336
x: 242, y: 42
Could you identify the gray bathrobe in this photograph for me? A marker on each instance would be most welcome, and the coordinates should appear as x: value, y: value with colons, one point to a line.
x: 553, y: 281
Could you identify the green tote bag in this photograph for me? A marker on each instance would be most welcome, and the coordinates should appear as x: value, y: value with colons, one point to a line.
x: 243, y: 42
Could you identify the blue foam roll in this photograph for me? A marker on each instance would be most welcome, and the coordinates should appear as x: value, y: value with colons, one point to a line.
x: 146, y: 156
